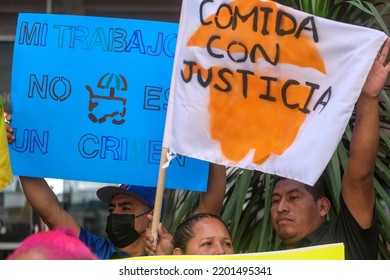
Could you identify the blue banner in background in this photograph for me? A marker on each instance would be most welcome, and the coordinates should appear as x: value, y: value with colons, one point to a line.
x: 89, y: 98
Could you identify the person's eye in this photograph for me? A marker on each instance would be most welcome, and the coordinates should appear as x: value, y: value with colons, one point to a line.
x: 228, y: 244
x: 206, y: 244
x: 274, y: 201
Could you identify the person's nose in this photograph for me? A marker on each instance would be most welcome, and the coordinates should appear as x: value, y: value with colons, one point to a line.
x: 219, y: 249
x: 283, y: 205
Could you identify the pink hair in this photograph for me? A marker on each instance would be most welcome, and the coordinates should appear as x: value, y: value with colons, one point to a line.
x: 57, y: 244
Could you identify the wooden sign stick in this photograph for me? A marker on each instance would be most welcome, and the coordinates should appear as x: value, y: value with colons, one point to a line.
x: 159, y: 194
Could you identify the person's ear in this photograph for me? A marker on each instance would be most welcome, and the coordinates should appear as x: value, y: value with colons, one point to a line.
x: 324, y: 206
x: 177, y: 251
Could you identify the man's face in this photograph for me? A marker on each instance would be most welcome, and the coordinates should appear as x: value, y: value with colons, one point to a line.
x: 126, y: 204
x: 294, y: 212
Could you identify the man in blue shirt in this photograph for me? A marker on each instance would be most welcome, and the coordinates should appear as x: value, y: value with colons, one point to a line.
x: 128, y: 206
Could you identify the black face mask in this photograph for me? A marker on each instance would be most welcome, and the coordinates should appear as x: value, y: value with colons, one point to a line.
x: 120, y: 229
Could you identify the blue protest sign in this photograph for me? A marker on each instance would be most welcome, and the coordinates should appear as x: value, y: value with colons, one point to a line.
x: 89, y: 98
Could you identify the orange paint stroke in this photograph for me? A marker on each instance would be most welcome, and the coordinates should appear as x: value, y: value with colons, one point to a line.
x: 242, y: 123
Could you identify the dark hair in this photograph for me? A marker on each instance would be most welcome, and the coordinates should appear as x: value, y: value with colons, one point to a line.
x: 317, y: 191
x: 185, y: 230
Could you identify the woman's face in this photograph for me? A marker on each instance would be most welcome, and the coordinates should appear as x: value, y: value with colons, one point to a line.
x: 210, y: 238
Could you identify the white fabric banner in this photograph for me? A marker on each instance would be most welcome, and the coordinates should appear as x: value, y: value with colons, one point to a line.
x: 262, y: 86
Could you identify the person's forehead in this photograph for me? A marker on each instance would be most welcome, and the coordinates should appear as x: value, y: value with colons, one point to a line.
x: 209, y: 225
x: 289, y: 185
x: 122, y: 198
